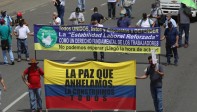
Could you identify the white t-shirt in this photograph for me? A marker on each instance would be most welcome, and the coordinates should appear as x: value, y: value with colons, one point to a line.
x: 172, y: 21
x: 147, y: 23
x: 99, y: 25
x: 58, y: 21
x: 79, y: 18
x: 22, y: 31
x: 62, y: 2
x: 111, y: 0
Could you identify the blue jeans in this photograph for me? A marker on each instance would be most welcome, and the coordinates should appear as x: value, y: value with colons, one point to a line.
x: 35, y: 98
x: 61, y: 12
x: 81, y: 4
x: 169, y: 52
x: 156, y: 93
x: 129, y: 11
x: 19, y: 44
x: 10, y: 54
x: 185, y: 28
x: 111, y: 9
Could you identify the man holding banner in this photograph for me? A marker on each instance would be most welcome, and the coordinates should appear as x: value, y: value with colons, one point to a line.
x: 155, y: 71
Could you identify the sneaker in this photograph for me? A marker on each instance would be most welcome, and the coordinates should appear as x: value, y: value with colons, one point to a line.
x: 5, y: 63
x: 12, y: 63
x: 19, y: 60
x: 186, y: 46
x: 175, y: 64
x: 27, y: 59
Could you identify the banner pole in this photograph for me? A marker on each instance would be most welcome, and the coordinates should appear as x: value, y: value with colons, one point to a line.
x: 35, y: 54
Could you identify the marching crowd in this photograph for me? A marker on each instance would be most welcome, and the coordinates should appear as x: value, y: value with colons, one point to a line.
x: 173, y: 35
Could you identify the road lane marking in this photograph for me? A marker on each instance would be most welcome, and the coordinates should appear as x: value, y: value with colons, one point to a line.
x: 14, y: 102
x: 103, y: 4
x: 73, y: 58
x: 32, y: 10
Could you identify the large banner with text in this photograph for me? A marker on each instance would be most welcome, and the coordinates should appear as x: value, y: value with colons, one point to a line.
x: 91, y: 38
x: 90, y: 85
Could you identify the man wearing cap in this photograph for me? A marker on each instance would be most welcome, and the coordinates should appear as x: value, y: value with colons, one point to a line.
x: 171, y: 36
x: 77, y: 17
x: 33, y: 83
x: 19, y: 16
x: 21, y: 32
x: 123, y: 21
x: 6, y: 42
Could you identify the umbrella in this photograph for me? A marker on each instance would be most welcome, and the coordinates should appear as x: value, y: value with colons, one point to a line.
x: 189, y: 3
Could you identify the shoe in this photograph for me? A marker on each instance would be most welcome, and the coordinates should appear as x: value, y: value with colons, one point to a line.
x: 109, y: 18
x: 12, y: 63
x: 27, y: 59
x: 5, y: 63
x: 167, y: 64
x: 180, y: 45
x: 175, y: 64
x: 19, y: 60
x: 186, y: 46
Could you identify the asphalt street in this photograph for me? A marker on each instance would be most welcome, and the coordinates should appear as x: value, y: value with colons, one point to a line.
x: 179, y: 83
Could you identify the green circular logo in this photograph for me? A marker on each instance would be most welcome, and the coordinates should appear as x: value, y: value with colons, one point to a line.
x: 47, y: 36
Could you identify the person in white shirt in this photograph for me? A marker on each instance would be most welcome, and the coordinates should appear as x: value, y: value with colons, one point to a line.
x: 145, y: 21
x: 56, y: 19
x: 155, y: 14
x: 21, y: 32
x: 127, y: 4
x: 169, y: 18
x: 77, y: 17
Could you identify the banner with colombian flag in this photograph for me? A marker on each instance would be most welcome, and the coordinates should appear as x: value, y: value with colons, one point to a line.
x: 90, y: 85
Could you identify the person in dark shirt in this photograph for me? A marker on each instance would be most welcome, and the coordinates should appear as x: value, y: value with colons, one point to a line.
x: 97, y: 16
x: 123, y: 21
x: 155, y: 71
x: 171, y: 36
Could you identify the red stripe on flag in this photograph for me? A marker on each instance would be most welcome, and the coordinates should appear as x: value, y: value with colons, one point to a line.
x: 111, y: 103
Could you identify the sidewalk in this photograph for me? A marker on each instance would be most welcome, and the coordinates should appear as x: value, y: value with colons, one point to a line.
x: 12, y: 6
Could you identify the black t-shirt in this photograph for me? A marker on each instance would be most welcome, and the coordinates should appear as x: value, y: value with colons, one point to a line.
x: 156, y: 79
x: 97, y: 16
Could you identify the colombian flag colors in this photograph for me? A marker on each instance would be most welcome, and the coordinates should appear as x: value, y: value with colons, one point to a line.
x: 90, y: 85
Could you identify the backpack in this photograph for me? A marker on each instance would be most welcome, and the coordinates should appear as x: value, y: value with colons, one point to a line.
x: 9, y: 19
x: 187, y: 11
x: 162, y: 18
x: 148, y: 21
x: 127, y: 3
